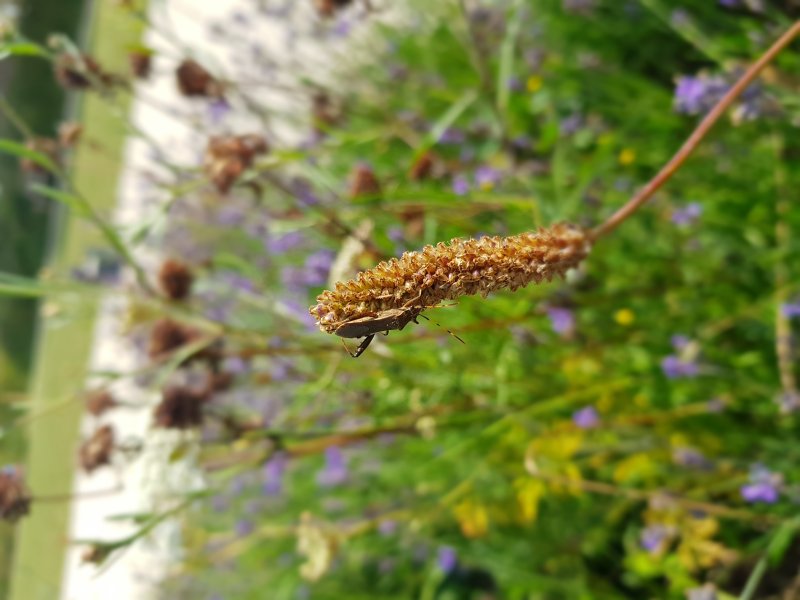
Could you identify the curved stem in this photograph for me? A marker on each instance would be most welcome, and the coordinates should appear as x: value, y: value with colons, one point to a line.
x: 697, y: 135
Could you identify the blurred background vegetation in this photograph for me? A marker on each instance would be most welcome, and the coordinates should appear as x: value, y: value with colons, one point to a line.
x: 626, y: 433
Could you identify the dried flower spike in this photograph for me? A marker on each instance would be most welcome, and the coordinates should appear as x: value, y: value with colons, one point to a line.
x: 99, y: 401
x: 395, y: 292
x: 82, y: 72
x: 328, y: 8
x: 194, y: 80
x: 140, y: 61
x: 175, y: 279
x: 227, y: 157
x: 181, y: 407
x: 363, y: 182
x: 96, y: 451
x: 15, y: 500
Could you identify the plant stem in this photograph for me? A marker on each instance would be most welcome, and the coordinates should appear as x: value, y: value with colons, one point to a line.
x: 697, y: 135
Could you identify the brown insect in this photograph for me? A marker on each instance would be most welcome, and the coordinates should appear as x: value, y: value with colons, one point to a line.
x: 382, y: 322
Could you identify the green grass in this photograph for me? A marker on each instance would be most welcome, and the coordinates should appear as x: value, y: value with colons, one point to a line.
x: 63, y: 345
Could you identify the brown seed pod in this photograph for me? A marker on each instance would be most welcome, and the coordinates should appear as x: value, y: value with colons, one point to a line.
x: 82, y: 72
x: 394, y: 292
x: 422, y: 167
x: 140, y: 61
x: 181, y: 407
x: 195, y: 81
x: 99, y: 401
x: 15, y: 500
x: 227, y: 157
x: 69, y: 133
x: 47, y: 146
x: 168, y: 336
x: 328, y: 8
x: 363, y: 182
x: 96, y: 451
x: 175, y: 279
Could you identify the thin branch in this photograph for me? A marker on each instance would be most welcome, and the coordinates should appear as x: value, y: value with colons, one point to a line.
x: 697, y: 136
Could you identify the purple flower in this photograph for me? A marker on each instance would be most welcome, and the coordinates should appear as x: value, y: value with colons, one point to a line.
x: 676, y: 368
x: 764, y: 486
x: 387, y: 527
x: 788, y: 402
x: 688, y: 214
x: 691, y: 458
x: 561, y: 319
x: 285, y: 243
x: 335, y: 470
x: 217, y: 110
x: 273, y: 474
x: 571, y: 124
x: 235, y: 365
x: 447, y: 559
x: 790, y: 309
x: 697, y: 94
x: 653, y: 537
x: 451, y: 135
x: 514, y: 84
x: 244, y: 528
x: 679, y: 341
x: 303, y: 191
x: 318, y: 266
x: 486, y: 177
x: 460, y: 185
x: 586, y: 418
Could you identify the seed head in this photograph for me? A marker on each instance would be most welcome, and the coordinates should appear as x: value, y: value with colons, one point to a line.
x: 80, y: 72
x: 175, y: 279
x: 194, y: 80
x: 363, y: 182
x: 227, y: 157
x: 96, y: 451
x: 99, y: 401
x: 181, y: 407
x: 464, y: 267
x: 15, y: 500
x: 140, y: 61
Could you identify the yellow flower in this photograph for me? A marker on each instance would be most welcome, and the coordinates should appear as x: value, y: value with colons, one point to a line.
x: 627, y: 157
x: 472, y: 518
x: 624, y: 316
x: 534, y: 83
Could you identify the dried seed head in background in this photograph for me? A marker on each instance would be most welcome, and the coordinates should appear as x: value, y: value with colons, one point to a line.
x: 47, y: 146
x: 82, y: 72
x: 328, y: 8
x: 69, y: 133
x: 195, y: 81
x: 363, y: 182
x: 15, y: 500
x: 175, y: 279
x: 227, y: 157
x: 99, y: 401
x: 181, y: 407
x: 140, y: 61
x: 464, y: 267
x: 96, y: 451
x: 422, y: 167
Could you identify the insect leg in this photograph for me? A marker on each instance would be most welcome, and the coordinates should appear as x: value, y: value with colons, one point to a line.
x: 363, y: 346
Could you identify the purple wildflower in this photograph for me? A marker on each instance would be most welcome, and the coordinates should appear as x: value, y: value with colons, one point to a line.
x: 447, y: 559
x: 586, y: 418
x: 561, y: 319
x: 697, y: 94
x: 679, y: 342
x: 285, y: 243
x: 514, y: 84
x: 688, y: 214
x: 676, y: 368
x: 244, y: 527
x: 335, y: 470
x: 318, y: 266
x: 690, y: 458
x: 451, y: 135
x: 235, y: 365
x: 653, y: 538
x: 387, y: 527
x: 460, y: 185
x: 571, y: 124
x: 790, y: 309
x: 764, y: 486
x: 788, y: 402
x: 218, y: 109
x: 273, y: 474
x: 486, y: 177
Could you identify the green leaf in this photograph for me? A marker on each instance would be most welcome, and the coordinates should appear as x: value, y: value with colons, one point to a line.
x: 21, y: 49
x: 23, y: 152
x: 73, y: 202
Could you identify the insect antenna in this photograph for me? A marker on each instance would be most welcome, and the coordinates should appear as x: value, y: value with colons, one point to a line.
x: 447, y: 330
